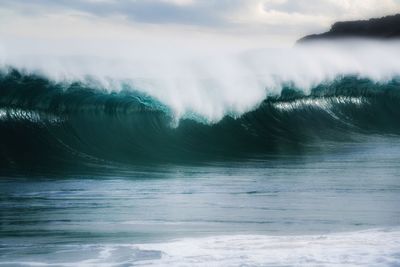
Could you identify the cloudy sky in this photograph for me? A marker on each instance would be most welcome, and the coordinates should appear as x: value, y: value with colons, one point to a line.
x: 278, y: 21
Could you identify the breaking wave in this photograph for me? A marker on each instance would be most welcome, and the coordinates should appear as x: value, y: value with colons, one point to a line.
x: 60, y: 123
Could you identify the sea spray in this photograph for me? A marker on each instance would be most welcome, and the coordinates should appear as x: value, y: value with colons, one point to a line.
x: 208, y: 82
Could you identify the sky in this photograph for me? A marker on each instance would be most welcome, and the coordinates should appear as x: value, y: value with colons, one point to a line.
x: 270, y: 21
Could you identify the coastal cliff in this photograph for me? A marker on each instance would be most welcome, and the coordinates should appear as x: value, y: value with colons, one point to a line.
x: 377, y: 28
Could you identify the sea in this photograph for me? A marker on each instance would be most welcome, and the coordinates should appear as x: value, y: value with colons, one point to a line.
x: 98, y: 177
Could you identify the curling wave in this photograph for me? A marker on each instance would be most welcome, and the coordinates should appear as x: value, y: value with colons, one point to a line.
x: 45, y: 121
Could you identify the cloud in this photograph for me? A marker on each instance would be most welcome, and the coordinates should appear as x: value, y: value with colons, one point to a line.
x: 338, y: 9
x: 207, y: 12
x: 283, y: 18
x: 191, y: 12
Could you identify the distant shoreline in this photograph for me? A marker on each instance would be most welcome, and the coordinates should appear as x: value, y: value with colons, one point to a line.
x: 376, y: 28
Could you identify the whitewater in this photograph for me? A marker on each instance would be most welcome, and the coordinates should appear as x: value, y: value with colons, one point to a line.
x: 349, y: 249
x: 210, y: 81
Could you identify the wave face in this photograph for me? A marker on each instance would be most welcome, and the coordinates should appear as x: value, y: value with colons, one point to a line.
x: 64, y: 123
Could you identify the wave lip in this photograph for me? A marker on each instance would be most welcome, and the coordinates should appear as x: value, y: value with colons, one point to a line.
x: 210, y: 84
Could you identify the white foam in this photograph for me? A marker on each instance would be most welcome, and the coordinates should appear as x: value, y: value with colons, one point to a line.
x: 375, y: 247
x: 372, y: 248
x: 28, y: 115
x: 321, y: 103
x: 207, y: 81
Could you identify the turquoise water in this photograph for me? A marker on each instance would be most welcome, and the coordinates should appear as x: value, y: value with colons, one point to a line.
x: 336, y: 205
x: 92, y: 178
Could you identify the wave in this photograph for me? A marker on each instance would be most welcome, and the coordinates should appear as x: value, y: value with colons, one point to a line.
x: 63, y: 123
x: 209, y: 81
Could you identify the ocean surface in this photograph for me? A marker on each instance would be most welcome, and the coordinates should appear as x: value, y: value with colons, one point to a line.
x: 97, y: 178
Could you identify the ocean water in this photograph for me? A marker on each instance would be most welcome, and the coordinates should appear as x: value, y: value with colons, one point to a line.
x: 339, y: 206
x: 279, y: 158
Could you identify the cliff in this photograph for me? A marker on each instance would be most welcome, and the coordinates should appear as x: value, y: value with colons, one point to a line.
x: 377, y: 28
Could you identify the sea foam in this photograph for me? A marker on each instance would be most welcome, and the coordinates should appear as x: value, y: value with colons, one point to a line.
x: 376, y: 247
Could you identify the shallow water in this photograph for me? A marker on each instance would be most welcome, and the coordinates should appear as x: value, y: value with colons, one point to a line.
x: 339, y: 205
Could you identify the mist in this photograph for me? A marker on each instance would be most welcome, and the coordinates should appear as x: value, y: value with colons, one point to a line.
x: 208, y: 77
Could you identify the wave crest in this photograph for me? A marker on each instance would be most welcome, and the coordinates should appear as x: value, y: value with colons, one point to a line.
x: 208, y: 83
x: 41, y: 119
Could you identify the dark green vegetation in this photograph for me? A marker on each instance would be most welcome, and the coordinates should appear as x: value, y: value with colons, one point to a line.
x: 378, y: 28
